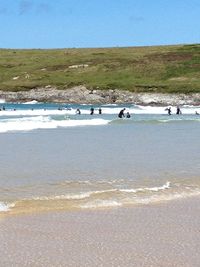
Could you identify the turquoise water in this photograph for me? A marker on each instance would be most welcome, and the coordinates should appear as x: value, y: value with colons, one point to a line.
x: 56, y: 159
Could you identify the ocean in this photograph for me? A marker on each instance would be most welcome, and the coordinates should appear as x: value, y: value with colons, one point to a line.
x: 52, y: 158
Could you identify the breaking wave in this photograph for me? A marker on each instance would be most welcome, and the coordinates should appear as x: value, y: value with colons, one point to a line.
x: 115, y: 196
x: 44, y: 122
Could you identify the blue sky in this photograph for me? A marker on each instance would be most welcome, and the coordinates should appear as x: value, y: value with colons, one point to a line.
x: 98, y: 23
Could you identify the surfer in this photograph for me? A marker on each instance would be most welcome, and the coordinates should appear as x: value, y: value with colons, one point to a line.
x: 100, y: 111
x: 121, y: 113
x: 196, y: 112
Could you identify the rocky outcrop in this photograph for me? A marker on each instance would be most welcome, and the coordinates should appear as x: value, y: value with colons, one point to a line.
x: 80, y: 94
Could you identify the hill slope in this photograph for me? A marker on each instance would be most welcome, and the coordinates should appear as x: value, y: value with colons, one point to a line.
x: 165, y: 69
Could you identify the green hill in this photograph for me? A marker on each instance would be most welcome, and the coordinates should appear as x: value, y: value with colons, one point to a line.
x: 167, y: 69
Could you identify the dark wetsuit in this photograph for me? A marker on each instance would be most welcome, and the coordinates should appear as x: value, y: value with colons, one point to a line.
x: 121, y: 113
x: 91, y: 111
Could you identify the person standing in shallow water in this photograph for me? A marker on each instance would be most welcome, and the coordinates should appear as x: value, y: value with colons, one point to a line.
x: 178, y: 110
x: 91, y: 111
x: 169, y: 111
x: 100, y: 111
x: 121, y: 113
x: 78, y: 111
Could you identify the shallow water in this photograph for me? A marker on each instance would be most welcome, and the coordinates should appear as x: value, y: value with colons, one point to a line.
x: 55, y: 159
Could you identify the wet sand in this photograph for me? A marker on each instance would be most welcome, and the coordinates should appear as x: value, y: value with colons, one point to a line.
x: 165, y: 235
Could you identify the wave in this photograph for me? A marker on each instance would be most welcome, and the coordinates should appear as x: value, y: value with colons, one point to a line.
x: 66, y: 197
x: 35, y: 112
x: 155, y: 189
x: 115, y: 196
x: 84, y: 195
x: 167, y: 197
x: 44, y: 122
x: 81, y: 195
x: 2, y: 101
x: 186, y: 110
x: 158, y: 120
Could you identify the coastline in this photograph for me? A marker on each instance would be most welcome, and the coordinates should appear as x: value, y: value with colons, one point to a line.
x: 82, y: 95
x: 165, y: 235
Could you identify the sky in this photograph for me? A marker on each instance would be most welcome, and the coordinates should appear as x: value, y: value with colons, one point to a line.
x: 98, y: 23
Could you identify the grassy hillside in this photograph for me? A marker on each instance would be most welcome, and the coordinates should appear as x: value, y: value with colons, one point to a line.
x: 140, y: 69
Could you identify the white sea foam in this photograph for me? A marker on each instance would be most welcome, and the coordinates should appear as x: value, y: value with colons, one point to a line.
x: 101, y: 204
x: 186, y: 110
x: 2, y: 101
x: 66, y: 196
x: 35, y: 112
x: 155, y: 189
x: 75, y: 196
x: 44, y: 122
x: 5, y: 207
x: 31, y: 102
x: 166, y: 197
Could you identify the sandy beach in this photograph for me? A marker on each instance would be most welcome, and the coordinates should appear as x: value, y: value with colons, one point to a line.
x: 151, y: 235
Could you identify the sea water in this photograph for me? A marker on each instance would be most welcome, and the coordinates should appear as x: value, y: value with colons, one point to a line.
x: 54, y: 159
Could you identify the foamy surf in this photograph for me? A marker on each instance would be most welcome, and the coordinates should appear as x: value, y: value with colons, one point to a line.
x: 101, y: 204
x: 155, y: 189
x: 42, y: 122
x: 33, y: 102
x: 5, y: 207
x: 32, y: 115
x: 112, y: 196
x: 2, y: 101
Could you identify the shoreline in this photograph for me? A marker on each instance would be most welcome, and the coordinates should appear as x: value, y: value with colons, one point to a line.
x: 82, y: 95
x: 154, y: 235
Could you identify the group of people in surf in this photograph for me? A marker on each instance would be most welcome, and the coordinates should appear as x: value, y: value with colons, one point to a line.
x: 178, y: 111
x: 122, y: 115
x: 3, y: 108
x: 78, y: 111
x: 169, y: 111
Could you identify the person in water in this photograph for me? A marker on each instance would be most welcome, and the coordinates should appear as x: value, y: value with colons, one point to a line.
x: 178, y: 110
x: 169, y: 111
x: 196, y: 112
x: 78, y: 111
x: 121, y: 113
x: 91, y: 111
x: 100, y: 111
x: 128, y: 115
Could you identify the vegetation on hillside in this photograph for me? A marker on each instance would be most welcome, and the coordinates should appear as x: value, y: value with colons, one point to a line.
x: 164, y: 69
